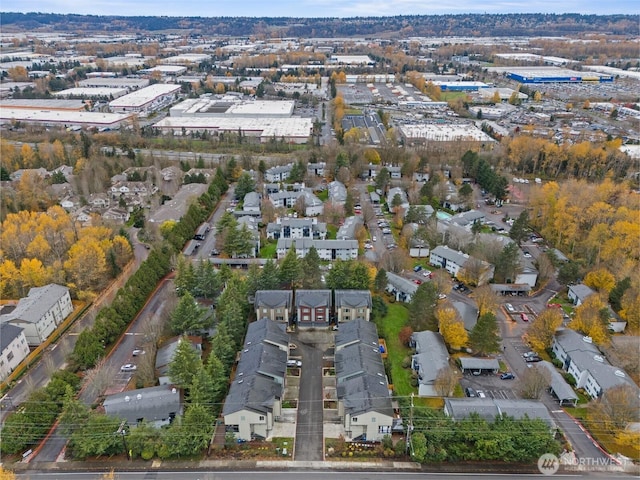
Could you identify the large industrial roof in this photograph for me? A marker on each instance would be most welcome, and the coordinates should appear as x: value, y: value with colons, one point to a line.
x: 267, y: 126
x: 62, y: 116
x: 91, y: 92
x: 144, y: 95
x: 444, y: 133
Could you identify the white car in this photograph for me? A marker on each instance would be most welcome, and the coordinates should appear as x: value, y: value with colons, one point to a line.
x: 128, y: 367
x: 374, y: 238
x: 426, y: 273
x: 442, y: 296
x: 294, y: 363
x: 509, y: 307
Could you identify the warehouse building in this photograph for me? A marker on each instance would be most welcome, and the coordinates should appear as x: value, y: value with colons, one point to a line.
x: 550, y: 75
x: 146, y: 99
x: 64, y: 118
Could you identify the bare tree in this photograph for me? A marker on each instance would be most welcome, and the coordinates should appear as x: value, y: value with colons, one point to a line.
x: 395, y: 260
x: 617, y: 408
x: 268, y: 211
x: 486, y: 299
x: 442, y: 280
x: 446, y: 380
x: 472, y: 271
x: 368, y: 214
x: 546, y: 269
x: 534, y: 382
x: 99, y: 378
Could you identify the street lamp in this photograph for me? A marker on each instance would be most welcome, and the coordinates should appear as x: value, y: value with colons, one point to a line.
x: 123, y: 432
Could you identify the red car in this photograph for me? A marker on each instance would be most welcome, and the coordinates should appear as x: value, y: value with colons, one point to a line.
x: 417, y: 282
x: 554, y: 305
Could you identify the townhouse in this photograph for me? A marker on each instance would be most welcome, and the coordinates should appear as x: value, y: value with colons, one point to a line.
x: 454, y: 261
x: 155, y: 406
x: 327, y: 249
x: 13, y: 348
x: 352, y: 304
x: 313, y: 308
x: 297, y: 228
x: 430, y: 358
x: 275, y: 305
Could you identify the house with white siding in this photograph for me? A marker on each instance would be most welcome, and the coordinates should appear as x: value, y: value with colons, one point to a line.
x: 327, y: 249
x: 297, y: 228
x: 587, y: 365
x: 40, y: 312
x: 13, y: 348
x: 278, y: 173
x: 352, y: 304
x: 431, y: 356
x: 275, y: 305
x: 454, y: 261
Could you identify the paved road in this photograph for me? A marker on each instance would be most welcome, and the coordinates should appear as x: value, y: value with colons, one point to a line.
x: 309, y: 426
x: 209, y: 242
x: 298, y: 471
x: 110, y: 374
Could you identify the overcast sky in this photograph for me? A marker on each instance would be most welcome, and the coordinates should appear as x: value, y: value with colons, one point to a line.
x: 316, y: 8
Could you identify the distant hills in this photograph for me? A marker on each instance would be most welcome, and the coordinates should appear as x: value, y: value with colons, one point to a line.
x: 474, y: 25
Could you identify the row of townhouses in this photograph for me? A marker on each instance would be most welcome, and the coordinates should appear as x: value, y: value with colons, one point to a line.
x: 313, y: 308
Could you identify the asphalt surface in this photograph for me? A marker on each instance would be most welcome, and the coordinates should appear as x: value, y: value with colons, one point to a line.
x: 309, y: 444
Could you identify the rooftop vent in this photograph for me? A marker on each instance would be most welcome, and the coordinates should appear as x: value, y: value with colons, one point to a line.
x: 598, y: 358
x: 240, y: 381
x: 127, y: 398
x: 139, y: 396
x: 619, y: 373
x: 587, y: 339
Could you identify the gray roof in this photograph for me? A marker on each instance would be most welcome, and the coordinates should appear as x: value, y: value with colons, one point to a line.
x: 458, y: 408
x: 8, y: 333
x: 489, y: 409
x: 273, y: 298
x: 267, y: 331
x: 279, y: 169
x: 358, y: 359
x: 571, y: 341
x: 297, y: 223
x: 365, y: 393
x: 251, y: 199
x: 306, y: 243
x: 337, y: 191
x: 396, y: 191
x: 401, y: 284
x: 450, y: 255
x: 581, y: 291
x: 468, y: 314
x: 479, y: 363
x: 559, y: 385
x: 374, y: 197
x: 252, y: 392
x: 313, y: 298
x: 352, y: 298
x: 347, y: 230
x: 38, y: 301
x: 357, y: 331
x: 467, y: 218
x: 431, y: 355
x: 607, y: 375
x: 263, y: 358
x: 154, y: 403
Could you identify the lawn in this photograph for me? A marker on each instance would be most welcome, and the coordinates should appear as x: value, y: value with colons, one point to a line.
x: 323, y: 195
x: 389, y: 328
x: 268, y: 250
x: 332, y: 232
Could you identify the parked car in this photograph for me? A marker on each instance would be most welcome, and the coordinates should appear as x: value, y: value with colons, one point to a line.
x: 470, y: 392
x: 524, y: 317
x: 417, y: 282
x: 533, y: 359
x: 137, y: 351
x: 507, y: 376
x: 442, y: 296
x: 128, y: 367
x: 417, y: 268
x: 374, y: 238
x: 509, y: 307
x: 526, y: 254
x: 427, y: 273
x: 215, y: 252
x: 481, y: 394
x: 294, y: 363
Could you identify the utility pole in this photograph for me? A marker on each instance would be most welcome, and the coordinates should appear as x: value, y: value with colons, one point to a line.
x: 410, y: 427
x: 123, y: 432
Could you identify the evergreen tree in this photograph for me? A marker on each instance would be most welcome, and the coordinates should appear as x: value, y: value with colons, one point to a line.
x: 184, y: 365
x: 508, y: 263
x: 485, y: 336
x: 422, y: 308
x: 311, y: 270
x: 380, y: 282
x: 245, y: 185
x: 269, y: 278
x: 187, y: 317
x: 290, y: 268
x: 520, y: 228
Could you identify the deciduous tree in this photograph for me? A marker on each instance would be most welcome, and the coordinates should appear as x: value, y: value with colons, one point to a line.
x: 451, y: 327
x: 542, y: 330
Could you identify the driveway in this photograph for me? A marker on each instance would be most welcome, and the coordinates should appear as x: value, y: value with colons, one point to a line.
x: 312, y: 346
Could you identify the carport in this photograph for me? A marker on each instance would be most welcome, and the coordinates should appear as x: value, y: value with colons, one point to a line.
x: 479, y: 366
x: 513, y: 289
x: 559, y: 388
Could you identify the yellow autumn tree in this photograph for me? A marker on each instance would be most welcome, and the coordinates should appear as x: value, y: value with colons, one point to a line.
x: 9, y: 280
x: 122, y: 251
x: 6, y: 474
x: 600, y: 280
x: 543, y: 328
x: 630, y: 311
x: 86, y: 264
x: 371, y: 155
x: 591, y: 319
x: 39, y: 248
x: 486, y: 299
x: 33, y: 274
x: 451, y: 327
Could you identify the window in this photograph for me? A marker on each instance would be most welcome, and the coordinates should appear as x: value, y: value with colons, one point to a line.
x: 261, y: 417
x: 346, y: 310
x: 9, y: 356
x: 354, y: 420
x: 373, y: 419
